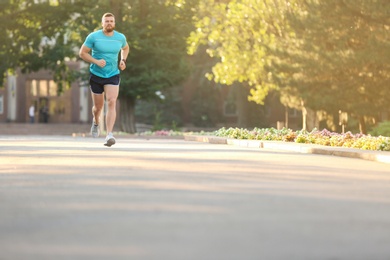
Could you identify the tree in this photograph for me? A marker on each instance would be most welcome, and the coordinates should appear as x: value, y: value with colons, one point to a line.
x: 39, y: 35
x: 236, y: 34
x: 321, y: 55
x: 343, y: 61
x: 157, y: 32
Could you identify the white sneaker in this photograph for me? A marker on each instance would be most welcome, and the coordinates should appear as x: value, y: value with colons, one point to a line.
x: 110, y: 140
x: 94, y: 130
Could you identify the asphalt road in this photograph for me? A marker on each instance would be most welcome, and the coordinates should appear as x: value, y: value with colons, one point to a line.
x: 73, y: 198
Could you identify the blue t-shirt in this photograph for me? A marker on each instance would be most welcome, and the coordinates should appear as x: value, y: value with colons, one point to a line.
x: 107, y: 48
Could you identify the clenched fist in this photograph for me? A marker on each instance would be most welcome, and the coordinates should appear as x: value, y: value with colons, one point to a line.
x: 101, y: 63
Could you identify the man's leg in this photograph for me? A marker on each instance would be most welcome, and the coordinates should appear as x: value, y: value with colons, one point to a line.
x: 111, y: 97
x: 98, y: 102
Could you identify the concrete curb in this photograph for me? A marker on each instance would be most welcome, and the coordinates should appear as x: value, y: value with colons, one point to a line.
x: 377, y: 156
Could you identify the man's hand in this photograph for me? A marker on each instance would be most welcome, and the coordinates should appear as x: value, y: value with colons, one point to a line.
x: 101, y: 63
x: 122, y: 65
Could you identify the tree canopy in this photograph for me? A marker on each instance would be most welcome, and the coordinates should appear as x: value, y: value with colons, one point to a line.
x: 39, y: 35
x: 330, y: 55
x: 343, y: 58
x: 47, y: 34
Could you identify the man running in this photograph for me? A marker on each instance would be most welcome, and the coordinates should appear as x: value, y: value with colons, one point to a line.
x: 105, y: 44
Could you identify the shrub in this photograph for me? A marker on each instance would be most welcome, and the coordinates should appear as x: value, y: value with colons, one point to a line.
x: 383, y: 129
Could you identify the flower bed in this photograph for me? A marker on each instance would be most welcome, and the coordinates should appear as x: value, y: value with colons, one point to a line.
x: 161, y: 133
x: 324, y: 137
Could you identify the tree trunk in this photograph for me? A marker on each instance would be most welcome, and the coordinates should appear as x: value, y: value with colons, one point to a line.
x: 127, y: 114
x: 362, y: 125
x: 311, y: 119
x: 304, y: 116
x: 286, y: 116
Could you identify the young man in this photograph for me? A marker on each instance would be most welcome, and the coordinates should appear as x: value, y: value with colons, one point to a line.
x: 105, y: 45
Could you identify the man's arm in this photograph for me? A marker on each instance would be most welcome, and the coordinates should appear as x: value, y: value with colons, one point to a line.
x: 124, y: 53
x: 84, y: 53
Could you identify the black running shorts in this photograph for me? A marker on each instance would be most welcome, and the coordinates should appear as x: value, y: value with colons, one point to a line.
x: 97, y: 83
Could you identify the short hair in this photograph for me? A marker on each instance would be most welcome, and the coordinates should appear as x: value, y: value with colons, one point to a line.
x: 107, y: 15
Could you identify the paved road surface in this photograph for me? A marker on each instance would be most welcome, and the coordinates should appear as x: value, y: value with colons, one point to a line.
x: 73, y: 198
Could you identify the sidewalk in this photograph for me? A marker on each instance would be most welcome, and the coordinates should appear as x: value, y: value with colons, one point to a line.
x: 378, y: 156
x: 44, y: 129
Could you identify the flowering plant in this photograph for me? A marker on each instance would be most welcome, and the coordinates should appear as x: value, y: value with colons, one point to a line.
x: 323, y: 137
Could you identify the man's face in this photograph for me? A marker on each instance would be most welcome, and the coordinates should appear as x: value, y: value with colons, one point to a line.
x: 108, y: 24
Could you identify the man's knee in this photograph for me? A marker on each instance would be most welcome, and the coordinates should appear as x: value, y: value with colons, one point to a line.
x: 111, y: 102
x: 97, y: 107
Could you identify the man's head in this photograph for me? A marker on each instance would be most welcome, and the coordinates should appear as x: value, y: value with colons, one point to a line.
x: 108, y: 22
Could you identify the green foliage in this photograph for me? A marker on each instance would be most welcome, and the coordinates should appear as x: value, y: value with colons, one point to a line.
x: 162, y: 113
x: 270, y: 134
x: 326, y: 55
x: 382, y: 129
x: 236, y: 35
x: 156, y: 32
x: 204, y: 112
x: 385, y: 145
x: 332, y: 63
x: 40, y: 35
x: 343, y: 55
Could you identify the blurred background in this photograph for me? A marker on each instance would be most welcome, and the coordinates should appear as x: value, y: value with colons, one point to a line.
x: 204, y: 64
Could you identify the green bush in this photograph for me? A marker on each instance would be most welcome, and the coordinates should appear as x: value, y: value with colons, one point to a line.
x: 383, y: 129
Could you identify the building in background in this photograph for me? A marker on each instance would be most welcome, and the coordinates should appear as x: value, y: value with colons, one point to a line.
x: 38, y: 88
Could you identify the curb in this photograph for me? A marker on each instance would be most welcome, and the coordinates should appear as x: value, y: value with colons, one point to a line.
x: 377, y: 156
